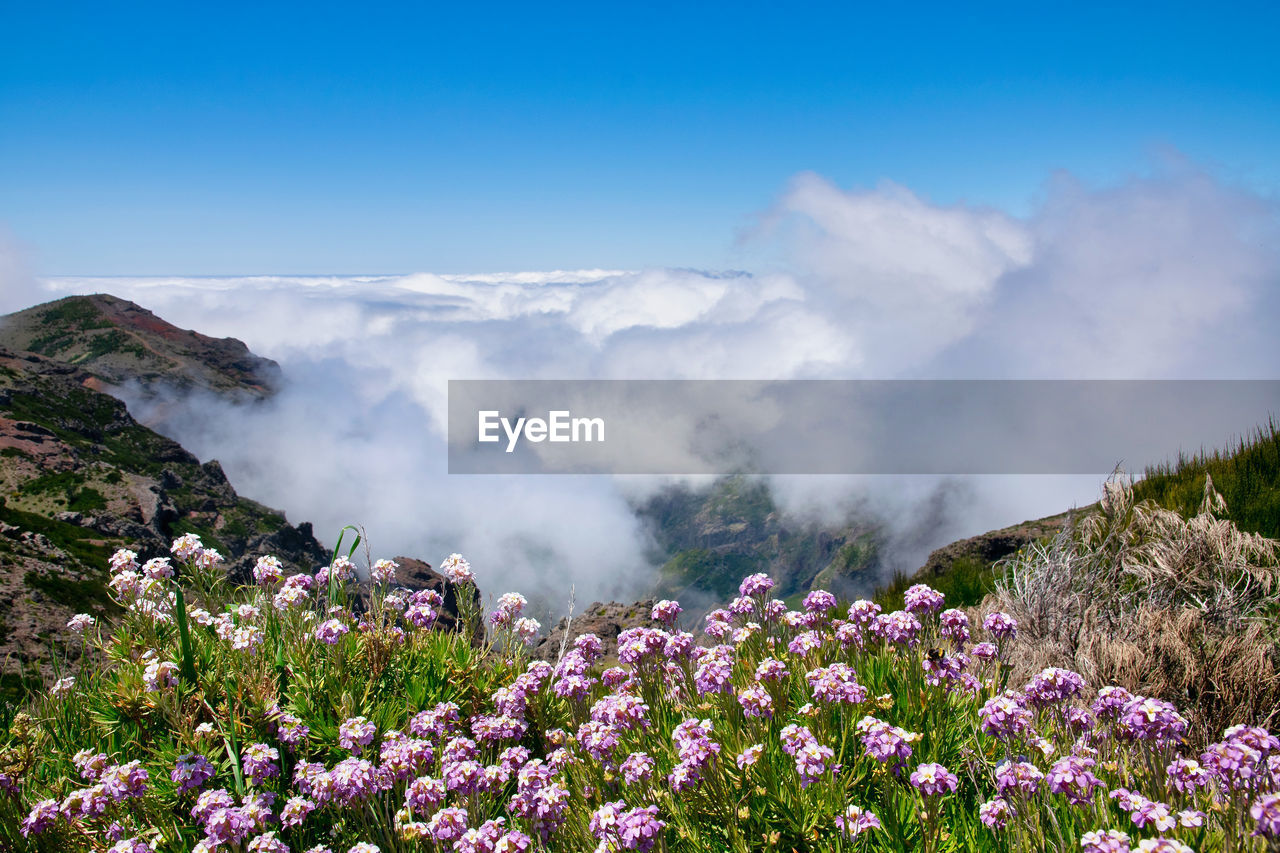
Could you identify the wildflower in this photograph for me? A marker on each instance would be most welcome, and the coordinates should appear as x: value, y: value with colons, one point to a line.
x: 933, y: 780
x: 159, y: 675
x: 638, y: 767
x: 383, y: 572
x: 995, y: 814
x: 41, y: 817
x: 1072, y: 777
x: 1152, y: 719
x: 1020, y: 777
x: 819, y: 601
x: 268, y: 571
x: 757, y: 585
x: 365, y: 847
x: 805, y: 642
x: 665, y: 612
x: 749, y: 756
x: 899, y: 627
x: 1053, y: 685
x: 1265, y: 811
x: 883, y: 741
x: 125, y: 780
x: 836, y: 684
x: 90, y: 764
x: 260, y: 762
x: 1002, y: 626
x: 295, y: 811
x: 207, y: 558
x: 191, y: 771
x: 186, y: 547
x: 457, y: 570
x: 1104, y: 841
x: 1111, y: 702
x: 955, y: 626
x: 356, y: 733
x: 1154, y: 813
x: 1162, y: 845
x: 756, y: 702
x: 922, y: 598
x: 527, y: 630
x: 62, y: 686
x: 267, y: 843
x: 81, y: 623
x: 330, y: 631
x: 1186, y: 775
x: 1005, y: 716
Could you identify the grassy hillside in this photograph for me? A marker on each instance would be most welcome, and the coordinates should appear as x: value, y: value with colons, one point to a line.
x: 1246, y: 475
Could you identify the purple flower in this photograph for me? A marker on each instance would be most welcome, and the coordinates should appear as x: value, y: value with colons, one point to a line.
x: 1187, y: 774
x: 819, y: 601
x: 1104, y: 841
x: 356, y: 733
x: 622, y: 710
x: 638, y: 767
x: 1072, y: 777
x: 836, y: 684
x: 855, y: 821
x: 757, y: 585
x: 1266, y: 812
x: 884, y: 742
x: 260, y: 762
x: 955, y: 626
x: 1019, y: 777
x: 922, y: 598
x: 1111, y: 702
x: 933, y: 780
x: 639, y: 829
x: 1153, y: 720
x: 995, y: 813
x: 295, y: 811
x: 125, y: 780
x: 1005, y: 716
x: 666, y: 611
x: 447, y: 825
x: 1053, y: 685
x: 756, y: 701
x: 191, y: 771
x: 899, y: 627
x: 330, y: 631
x: 1002, y: 626
x: 41, y: 817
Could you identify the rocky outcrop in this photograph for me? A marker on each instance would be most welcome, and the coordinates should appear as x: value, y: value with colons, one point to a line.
x: 606, y: 621
x: 989, y: 547
x: 79, y: 477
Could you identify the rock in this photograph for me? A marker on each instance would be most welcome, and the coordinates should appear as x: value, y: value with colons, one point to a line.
x: 606, y: 621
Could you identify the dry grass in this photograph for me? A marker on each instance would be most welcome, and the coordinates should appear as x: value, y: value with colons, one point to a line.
x: 1136, y: 595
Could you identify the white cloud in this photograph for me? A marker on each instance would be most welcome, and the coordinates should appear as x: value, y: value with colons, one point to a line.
x: 1173, y: 275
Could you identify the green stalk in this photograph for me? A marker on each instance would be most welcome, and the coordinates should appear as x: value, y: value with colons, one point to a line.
x: 187, y: 668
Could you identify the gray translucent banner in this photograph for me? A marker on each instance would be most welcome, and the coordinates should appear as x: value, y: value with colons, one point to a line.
x: 843, y: 427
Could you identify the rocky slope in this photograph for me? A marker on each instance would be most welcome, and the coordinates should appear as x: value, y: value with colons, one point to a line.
x: 119, y: 342
x: 707, y: 540
x: 80, y: 477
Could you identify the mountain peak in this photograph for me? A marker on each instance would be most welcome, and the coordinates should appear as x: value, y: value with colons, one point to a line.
x: 119, y: 341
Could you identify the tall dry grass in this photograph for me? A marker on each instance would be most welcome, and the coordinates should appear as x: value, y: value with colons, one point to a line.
x: 1184, y: 609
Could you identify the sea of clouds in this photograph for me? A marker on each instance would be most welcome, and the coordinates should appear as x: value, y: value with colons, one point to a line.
x: 1174, y: 274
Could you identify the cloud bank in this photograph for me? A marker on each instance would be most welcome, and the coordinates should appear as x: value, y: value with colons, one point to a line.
x: 1171, y: 275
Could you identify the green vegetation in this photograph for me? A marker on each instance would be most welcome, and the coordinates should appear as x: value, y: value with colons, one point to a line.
x: 965, y: 585
x: 1247, y: 476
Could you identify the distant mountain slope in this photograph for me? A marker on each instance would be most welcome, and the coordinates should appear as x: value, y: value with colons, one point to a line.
x: 118, y: 342
x: 707, y: 540
x: 80, y: 477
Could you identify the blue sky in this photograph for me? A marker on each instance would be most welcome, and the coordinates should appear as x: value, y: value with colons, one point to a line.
x: 369, y: 138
